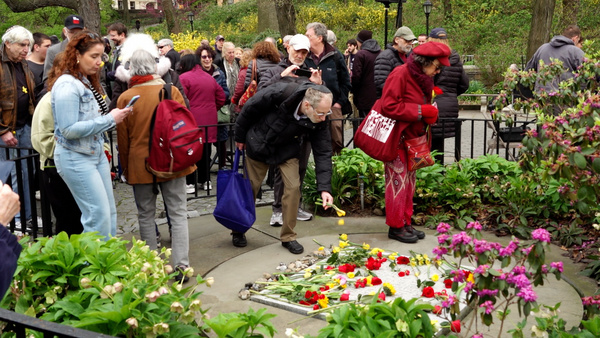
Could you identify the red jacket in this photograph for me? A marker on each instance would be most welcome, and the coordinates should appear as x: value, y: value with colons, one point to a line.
x: 206, y: 96
x: 239, y: 86
x: 401, y: 101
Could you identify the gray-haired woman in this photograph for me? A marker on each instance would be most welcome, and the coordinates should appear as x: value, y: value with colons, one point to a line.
x: 133, y: 137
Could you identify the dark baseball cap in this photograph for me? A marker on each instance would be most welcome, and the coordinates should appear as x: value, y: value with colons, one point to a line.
x: 74, y: 21
x: 219, y: 37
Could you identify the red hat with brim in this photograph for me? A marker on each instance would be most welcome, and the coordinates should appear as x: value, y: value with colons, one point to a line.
x: 434, y: 50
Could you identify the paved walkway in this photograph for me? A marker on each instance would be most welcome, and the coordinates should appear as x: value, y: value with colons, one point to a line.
x: 212, y: 254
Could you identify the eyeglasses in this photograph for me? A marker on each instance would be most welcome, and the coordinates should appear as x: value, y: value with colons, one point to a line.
x: 206, y: 56
x: 161, y: 47
x: 438, y: 66
x: 322, y: 114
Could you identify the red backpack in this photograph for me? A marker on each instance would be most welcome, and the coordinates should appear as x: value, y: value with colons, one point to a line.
x: 176, y: 142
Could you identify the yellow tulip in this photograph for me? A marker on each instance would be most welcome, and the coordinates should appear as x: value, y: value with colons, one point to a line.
x: 344, y: 237
x: 435, y: 278
x: 340, y: 222
x: 343, y: 244
x: 335, y: 249
x: 366, y: 246
x: 350, y: 274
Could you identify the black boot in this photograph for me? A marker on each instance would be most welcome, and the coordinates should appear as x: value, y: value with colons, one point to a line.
x: 402, y: 235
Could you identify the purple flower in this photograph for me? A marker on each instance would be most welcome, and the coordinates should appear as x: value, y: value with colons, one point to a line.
x: 526, y: 251
x: 443, y: 228
x: 541, y: 235
x: 509, y: 250
x: 439, y: 252
x: 481, y: 269
x: 474, y: 225
x: 520, y: 281
x: 449, y: 302
x: 442, y: 238
x: 557, y: 265
x: 487, y: 292
x: 527, y: 294
x: 461, y: 238
x: 488, y: 305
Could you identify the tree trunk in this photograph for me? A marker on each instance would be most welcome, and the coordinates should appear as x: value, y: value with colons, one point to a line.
x: 267, y: 15
x: 88, y: 9
x: 286, y: 17
x: 169, y: 12
x: 126, y: 16
x: 447, y: 9
x: 570, y: 13
x: 541, y: 25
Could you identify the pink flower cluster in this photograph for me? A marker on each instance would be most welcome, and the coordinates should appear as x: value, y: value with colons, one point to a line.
x: 541, y: 235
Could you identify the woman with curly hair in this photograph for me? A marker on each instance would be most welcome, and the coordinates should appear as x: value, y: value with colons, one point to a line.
x: 81, y: 117
x: 266, y: 56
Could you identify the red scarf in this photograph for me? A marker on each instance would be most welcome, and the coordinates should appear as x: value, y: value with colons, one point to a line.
x: 425, y: 82
x: 139, y: 79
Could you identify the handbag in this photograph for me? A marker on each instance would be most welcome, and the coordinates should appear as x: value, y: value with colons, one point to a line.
x: 235, y: 199
x: 223, y: 115
x: 418, y: 151
x: 251, y: 90
x: 378, y: 136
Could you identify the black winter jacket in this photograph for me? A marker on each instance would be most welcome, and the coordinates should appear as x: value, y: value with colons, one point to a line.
x: 385, y: 62
x: 273, y: 74
x: 453, y: 81
x: 273, y: 135
x: 363, y: 75
x: 262, y: 66
x: 335, y: 73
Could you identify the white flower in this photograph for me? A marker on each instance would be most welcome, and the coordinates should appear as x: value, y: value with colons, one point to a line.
x: 168, y: 269
x: 210, y: 281
x: 537, y: 332
x: 195, y: 305
x: 118, y: 286
x: 176, y: 307
x: 85, y: 283
x: 163, y: 290
x: 108, y: 291
x: 132, y: 322
x: 153, y: 296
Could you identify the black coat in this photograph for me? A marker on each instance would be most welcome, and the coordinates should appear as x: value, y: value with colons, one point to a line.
x: 385, y: 62
x: 273, y: 135
x: 453, y: 81
x: 363, y: 75
x: 335, y: 74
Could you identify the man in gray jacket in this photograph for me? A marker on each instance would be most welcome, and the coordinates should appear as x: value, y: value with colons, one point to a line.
x: 563, y: 48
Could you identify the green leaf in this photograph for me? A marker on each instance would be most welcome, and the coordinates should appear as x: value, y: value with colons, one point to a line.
x: 596, y: 164
x: 580, y: 160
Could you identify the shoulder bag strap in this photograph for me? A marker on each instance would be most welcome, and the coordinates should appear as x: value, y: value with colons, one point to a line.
x: 254, y: 77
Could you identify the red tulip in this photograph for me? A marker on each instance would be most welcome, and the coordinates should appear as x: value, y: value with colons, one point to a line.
x: 381, y: 296
x: 448, y: 283
x: 344, y: 297
x: 437, y: 310
x: 455, y: 326
x: 316, y: 307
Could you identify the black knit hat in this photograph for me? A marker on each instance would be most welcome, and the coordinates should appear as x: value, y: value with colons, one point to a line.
x: 364, y: 35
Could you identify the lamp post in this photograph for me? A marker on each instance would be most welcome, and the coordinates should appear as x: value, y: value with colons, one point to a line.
x: 399, y: 15
x: 386, y: 3
x: 191, y: 18
x: 427, y: 6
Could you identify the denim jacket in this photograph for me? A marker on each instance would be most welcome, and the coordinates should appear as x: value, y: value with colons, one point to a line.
x: 78, y: 125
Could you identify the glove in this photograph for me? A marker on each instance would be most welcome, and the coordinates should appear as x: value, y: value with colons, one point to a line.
x: 429, y: 113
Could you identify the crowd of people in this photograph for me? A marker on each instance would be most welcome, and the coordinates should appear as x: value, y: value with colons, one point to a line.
x: 68, y: 95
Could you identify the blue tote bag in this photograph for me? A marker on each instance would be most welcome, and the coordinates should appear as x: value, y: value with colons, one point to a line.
x: 235, y: 200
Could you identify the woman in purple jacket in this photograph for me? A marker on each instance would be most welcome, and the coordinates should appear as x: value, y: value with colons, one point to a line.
x: 206, y: 97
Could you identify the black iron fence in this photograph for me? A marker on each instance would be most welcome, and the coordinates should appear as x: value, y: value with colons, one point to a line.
x: 19, y: 324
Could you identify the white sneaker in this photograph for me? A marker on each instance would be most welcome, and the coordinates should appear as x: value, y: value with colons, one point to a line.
x: 38, y: 195
x: 207, y: 185
x: 303, y: 215
x: 190, y: 189
x: 276, y: 219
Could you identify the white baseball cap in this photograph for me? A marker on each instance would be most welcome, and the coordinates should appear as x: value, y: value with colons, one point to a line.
x: 300, y: 41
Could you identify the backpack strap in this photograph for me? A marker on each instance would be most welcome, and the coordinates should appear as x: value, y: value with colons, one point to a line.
x: 163, y: 94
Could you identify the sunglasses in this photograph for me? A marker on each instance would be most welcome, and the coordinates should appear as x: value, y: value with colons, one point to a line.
x: 161, y: 47
x: 206, y: 57
x: 93, y: 35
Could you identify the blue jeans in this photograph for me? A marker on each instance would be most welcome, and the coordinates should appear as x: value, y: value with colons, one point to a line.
x: 88, y: 178
x: 23, y: 135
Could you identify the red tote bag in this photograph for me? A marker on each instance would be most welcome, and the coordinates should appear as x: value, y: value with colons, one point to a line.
x: 378, y: 136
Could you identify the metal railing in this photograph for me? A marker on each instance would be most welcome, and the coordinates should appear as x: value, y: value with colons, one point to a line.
x: 19, y: 324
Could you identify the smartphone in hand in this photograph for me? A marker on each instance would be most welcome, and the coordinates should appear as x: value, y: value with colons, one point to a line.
x: 303, y: 72
x: 132, y: 101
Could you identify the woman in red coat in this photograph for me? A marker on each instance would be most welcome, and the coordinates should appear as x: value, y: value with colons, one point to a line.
x: 406, y: 98
x: 206, y: 97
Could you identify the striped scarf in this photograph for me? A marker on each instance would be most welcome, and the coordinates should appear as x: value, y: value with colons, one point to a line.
x: 100, y: 100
